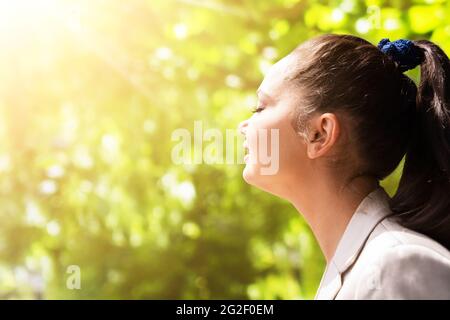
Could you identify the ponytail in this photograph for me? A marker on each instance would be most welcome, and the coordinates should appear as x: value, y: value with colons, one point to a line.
x: 422, y: 201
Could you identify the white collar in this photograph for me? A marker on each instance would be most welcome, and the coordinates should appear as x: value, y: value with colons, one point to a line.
x: 372, y: 209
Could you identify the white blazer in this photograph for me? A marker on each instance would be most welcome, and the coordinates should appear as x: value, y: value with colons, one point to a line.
x: 376, y: 258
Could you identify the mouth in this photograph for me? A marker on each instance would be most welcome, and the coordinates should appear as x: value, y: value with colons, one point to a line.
x: 246, y: 151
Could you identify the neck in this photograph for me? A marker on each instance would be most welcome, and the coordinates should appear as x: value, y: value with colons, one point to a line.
x: 328, y: 208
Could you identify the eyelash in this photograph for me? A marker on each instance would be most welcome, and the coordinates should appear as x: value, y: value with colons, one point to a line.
x: 257, y: 109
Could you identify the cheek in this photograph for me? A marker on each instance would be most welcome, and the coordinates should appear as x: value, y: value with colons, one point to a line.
x: 271, y: 135
x: 261, y: 131
x: 292, y: 147
x: 286, y: 153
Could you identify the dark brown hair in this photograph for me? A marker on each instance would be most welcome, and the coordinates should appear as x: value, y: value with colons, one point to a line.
x: 390, y: 118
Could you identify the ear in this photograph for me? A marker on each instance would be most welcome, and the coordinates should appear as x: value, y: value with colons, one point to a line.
x: 324, y: 131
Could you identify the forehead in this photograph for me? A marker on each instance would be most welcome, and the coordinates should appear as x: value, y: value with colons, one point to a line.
x: 275, y: 80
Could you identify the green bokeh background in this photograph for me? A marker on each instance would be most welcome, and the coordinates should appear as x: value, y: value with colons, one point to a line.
x: 90, y: 93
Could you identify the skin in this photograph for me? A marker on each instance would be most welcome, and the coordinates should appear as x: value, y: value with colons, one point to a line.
x: 319, y: 191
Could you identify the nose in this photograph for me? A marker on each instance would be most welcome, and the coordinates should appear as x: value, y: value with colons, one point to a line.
x: 242, y: 127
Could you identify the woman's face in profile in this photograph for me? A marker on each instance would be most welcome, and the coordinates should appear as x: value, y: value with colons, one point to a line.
x: 275, y: 150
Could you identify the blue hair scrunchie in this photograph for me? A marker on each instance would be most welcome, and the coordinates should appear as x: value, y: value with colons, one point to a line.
x: 404, y: 52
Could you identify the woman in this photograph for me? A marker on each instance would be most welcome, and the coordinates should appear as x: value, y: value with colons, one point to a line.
x: 345, y: 114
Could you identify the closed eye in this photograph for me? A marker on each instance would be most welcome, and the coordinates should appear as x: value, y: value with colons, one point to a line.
x: 257, y: 109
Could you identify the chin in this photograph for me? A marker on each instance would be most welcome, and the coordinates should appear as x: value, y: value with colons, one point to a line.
x: 252, y: 176
x: 268, y: 183
x: 252, y: 172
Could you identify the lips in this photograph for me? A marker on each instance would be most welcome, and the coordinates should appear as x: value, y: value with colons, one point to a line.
x: 246, y: 151
x: 245, y: 145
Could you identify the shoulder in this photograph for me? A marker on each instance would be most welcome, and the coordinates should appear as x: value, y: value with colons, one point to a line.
x: 391, y: 236
x: 399, y: 263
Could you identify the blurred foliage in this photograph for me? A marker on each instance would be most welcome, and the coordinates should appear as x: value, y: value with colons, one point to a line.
x: 90, y: 92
